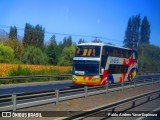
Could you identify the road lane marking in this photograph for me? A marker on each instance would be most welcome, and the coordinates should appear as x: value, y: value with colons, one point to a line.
x: 157, y: 109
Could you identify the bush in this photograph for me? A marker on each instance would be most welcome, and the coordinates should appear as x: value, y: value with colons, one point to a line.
x: 66, y: 57
x: 20, y: 71
x: 6, y: 54
x: 35, y: 56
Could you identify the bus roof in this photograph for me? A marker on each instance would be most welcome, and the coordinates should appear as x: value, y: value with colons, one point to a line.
x: 97, y: 44
x: 102, y: 44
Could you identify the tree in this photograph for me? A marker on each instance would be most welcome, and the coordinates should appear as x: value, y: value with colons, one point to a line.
x: 81, y: 41
x: 13, y: 32
x: 6, y: 54
x: 97, y: 41
x: 17, y: 47
x: 34, y: 55
x: 27, y: 34
x: 33, y: 35
x: 67, y: 41
x: 145, y: 31
x: 60, y: 47
x: 137, y: 33
x: 65, y: 59
x: 131, y: 38
x: 127, y: 37
x: 52, y: 51
x: 53, y: 40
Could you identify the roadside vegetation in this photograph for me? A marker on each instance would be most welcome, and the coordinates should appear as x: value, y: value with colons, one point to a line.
x: 31, y: 55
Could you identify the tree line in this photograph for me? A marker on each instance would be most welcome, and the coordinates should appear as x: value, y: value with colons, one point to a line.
x: 137, y: 32
x: 33, y: 50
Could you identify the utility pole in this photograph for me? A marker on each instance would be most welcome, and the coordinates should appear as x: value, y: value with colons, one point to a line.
x: 141, y: 59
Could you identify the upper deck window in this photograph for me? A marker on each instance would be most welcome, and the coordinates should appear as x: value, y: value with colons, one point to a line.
x: 87, y: 51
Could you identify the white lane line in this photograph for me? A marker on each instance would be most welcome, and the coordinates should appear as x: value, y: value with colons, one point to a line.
x: 157, y: 109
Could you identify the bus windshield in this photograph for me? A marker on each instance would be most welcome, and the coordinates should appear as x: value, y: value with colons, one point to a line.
x: 87, y: 51
x: 83, y: 67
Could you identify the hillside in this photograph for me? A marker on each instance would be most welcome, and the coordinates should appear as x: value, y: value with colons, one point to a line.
x: 150, y: 59
x: 4, y: 35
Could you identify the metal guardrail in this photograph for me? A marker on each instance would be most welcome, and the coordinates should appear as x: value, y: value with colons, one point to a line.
x: 56, y: 76
x: 18, y: 101
x: 149, y: 73
x: 35, y: 76
x: 111, y: 107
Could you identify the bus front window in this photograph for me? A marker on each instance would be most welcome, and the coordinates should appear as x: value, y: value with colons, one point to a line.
x: 87, y: 51
x: 86, y: 68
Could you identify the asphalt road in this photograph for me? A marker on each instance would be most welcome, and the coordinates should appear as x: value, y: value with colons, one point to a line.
x: 146, y: 108
x: 37, y: 87
x: 14, y: 89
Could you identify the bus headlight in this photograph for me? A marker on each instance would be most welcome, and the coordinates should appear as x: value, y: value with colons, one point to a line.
x: 74, y: 79
x: 95, y: 79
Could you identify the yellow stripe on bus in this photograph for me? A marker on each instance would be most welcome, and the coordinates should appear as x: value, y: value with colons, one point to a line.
x: 85, y: 52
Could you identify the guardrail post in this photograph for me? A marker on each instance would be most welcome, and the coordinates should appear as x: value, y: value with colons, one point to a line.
x: 134, y: 83
x: 14, y: 102
x: 122, y: 86
x: 133, y: 104
x: 149, y: 98
x: 106, y: 88
x: 57, y: 96
x: 85, y: 90
x: 113, y: 110
x: 144, y: 81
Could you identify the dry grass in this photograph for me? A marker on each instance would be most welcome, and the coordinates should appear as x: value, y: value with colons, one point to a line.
x: 5, y: 68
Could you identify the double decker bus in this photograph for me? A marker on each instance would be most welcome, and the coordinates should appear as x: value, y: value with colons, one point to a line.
x: 98, y: 63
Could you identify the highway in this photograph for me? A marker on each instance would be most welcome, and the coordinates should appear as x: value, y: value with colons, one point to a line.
x: 140, y: 112
x: 46, y: 86
x: 149, y: 107
x: 33, y: 87
x: 134, y: 91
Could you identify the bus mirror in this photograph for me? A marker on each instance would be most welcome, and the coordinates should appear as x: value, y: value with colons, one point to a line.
x: 102, y: 71
x: 71, y: 70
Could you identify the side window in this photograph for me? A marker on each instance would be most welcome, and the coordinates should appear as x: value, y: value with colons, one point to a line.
x: 110, y: 51
x: 120, y: 53
x: 125, y: 68
x: 126, y: 54
x: 103, y: 52
x: 104, y: 56
x: 115, y: 52
x: 117, y: 69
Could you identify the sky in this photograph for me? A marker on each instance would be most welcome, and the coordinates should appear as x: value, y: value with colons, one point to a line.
x: 102, y: 18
